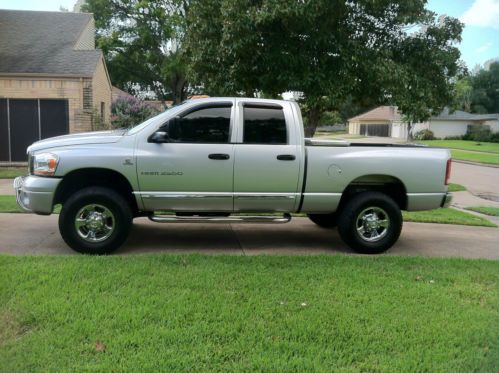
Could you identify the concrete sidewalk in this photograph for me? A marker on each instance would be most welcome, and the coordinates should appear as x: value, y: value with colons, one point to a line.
x: 33, y: 234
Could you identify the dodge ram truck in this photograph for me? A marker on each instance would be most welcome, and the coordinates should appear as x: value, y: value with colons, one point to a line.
x: 228, y: 160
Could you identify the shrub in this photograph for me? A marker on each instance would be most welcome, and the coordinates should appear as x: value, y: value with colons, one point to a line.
x: 127, y: 112
x: 478, y: 132
x: 424, y: 135
x: 453, y: 138
x: 494, y: 137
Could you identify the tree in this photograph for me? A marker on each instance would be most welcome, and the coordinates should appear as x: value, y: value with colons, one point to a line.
x: 485, y: 93
x: 141, y: 41
x: 333, y: 51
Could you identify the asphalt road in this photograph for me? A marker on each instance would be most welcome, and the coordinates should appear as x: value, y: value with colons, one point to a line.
x: 39, y: 235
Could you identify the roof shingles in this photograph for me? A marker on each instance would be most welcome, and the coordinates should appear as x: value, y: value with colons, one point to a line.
x: 43, y: 43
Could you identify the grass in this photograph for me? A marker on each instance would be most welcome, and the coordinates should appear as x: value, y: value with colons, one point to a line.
x: 8, y: 204
x: 456, y: 187
x: 490, y: 158
x: 442, y: 216
x: 492, y: 211
x: 200, y: 313
x: 446, y: 216
x: 489, y: 147
x: 12, y: 172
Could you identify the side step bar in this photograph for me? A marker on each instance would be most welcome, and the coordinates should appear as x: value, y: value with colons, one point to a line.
x: 221, y: 219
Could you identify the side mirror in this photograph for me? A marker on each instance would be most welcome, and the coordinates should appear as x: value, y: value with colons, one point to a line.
x: 159, y: 137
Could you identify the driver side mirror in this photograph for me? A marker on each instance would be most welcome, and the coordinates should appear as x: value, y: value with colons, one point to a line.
x: 158, y: 137
x: 162, y: 135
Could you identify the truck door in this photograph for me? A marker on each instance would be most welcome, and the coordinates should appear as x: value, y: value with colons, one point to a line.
x: 193, y: 171
x: 267, y: 158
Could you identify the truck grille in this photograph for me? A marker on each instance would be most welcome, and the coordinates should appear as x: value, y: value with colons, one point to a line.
x: 30, y: 163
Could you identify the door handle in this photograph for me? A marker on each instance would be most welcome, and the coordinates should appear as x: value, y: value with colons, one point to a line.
x: 218, y: 156
x: 286, y: 157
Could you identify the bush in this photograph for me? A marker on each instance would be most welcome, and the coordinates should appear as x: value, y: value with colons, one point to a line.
x: 127, y: 112
x: 494, y: 137
x: 453, y: 138
x: 424, y: 135
x: 478, y: 132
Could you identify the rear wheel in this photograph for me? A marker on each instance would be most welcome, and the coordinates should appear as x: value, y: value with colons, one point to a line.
x: 324, y: 220
x: 95, y: 220
x: 370, y: 223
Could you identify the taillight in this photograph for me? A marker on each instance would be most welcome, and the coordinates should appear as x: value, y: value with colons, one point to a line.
x: 447, y: 171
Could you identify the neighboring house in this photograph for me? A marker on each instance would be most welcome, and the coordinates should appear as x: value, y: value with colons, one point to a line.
x: 119, y: 93
x: 386, y: 121
x: 52, y: 79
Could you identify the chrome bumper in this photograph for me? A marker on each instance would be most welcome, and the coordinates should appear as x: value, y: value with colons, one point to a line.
x: 447, y: 200
x: 20, y: 196
x: 35, y: 194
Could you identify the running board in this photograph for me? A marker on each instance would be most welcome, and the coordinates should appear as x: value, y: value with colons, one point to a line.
x: 221, y: 219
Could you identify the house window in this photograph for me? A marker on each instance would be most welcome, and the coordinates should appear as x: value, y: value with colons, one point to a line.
x: 102, y: 110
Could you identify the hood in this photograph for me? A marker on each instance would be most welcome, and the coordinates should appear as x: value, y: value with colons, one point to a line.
x: 100, y: 137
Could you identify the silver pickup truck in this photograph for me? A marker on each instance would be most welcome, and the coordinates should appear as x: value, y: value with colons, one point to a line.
x: 219, y: 160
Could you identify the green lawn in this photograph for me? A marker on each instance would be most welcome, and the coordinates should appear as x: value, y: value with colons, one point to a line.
x: 456, y: 187
x: 492, y: 211
x: 221, y: 313
x: 465, y: 145
x: 446, y: 216
x: 8, y: 204
x: 12, y: 172
x: 490, y: 158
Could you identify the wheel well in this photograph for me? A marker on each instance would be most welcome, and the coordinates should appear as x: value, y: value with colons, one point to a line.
x: 386, y: 184
x: 82, y: 178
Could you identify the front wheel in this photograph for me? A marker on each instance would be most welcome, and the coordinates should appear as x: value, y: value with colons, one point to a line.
x: 95, y: 220
x: 370, y: 223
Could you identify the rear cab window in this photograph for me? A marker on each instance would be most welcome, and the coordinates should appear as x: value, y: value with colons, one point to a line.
x: 264, y: 124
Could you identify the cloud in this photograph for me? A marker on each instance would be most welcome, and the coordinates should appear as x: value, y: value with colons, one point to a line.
x: 484, y: 13
x: 484, y: 47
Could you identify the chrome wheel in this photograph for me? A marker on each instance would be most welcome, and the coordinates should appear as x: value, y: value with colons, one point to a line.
x: 372, y: 224
x: 94, y: 223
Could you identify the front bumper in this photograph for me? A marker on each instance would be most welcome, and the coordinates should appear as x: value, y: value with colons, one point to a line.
x: 36, y: 194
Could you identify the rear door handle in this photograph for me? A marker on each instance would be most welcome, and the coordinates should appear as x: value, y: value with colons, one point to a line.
x: 286, y: 157
x: 219, y: 156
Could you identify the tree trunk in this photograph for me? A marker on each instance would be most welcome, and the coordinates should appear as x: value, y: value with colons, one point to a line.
x: 313, y: 117
x: 409, y: 132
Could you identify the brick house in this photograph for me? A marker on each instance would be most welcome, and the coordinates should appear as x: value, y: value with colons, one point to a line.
x: 52, y: 79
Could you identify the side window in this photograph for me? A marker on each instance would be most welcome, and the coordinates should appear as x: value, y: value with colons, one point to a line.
x: 206, y: 125
x: 264, y: 125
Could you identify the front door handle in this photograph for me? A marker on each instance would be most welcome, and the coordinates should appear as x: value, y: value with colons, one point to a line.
x: 286, y: 157
x: 218, y: 156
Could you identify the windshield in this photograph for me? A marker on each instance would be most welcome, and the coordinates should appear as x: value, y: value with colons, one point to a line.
x: 158, y: 118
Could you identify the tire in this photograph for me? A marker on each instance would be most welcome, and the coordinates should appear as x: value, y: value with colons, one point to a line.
x: 101, y: 214
x: 370, y: 222
x: 324, y: 220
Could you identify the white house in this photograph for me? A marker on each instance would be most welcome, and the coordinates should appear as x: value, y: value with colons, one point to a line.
x: 386, y: 121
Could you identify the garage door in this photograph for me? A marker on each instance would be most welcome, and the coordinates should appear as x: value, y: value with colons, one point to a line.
x: 23, y: 122
x: 381, y: 130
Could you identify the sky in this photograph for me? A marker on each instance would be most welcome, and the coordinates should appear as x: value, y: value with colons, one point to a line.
x: 480, y: 36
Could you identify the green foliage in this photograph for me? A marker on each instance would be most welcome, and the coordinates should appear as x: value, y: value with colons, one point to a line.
x: 330, y: 50
x: 128, y: 112
x: 141, y: 41
x: 478, y: 132
x: 424, y: 135
x: 169, y: 313
x: 485, y: 94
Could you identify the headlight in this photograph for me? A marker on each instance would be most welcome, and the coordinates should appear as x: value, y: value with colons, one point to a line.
x: 45, y: 164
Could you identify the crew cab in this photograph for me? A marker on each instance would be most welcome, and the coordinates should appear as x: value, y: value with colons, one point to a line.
x: 220, y: 160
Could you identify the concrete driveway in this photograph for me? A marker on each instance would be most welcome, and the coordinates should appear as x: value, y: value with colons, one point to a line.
x: 39, y: 235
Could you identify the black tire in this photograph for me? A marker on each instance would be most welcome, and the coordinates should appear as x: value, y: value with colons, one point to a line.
x: 324, y: 220
x: 361, y: 211
x: 113, y: 208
